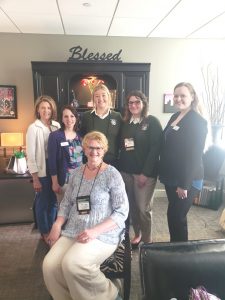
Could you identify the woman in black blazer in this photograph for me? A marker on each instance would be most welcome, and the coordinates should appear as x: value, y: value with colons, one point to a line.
x: 181, y: 168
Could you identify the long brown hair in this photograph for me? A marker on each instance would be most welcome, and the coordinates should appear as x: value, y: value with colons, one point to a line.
x: 74, y: 112
x: 140, y: 96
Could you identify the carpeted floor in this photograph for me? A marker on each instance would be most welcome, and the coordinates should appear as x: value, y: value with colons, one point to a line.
x: 21, y: 255
x: 22, y: 252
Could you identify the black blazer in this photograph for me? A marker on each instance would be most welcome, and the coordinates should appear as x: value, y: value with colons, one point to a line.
x: 182, y: 149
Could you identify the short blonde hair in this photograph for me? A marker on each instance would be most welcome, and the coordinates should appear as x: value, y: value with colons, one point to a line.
x: 105, y: 89
x: 50, y: 101
x: 96, y: 136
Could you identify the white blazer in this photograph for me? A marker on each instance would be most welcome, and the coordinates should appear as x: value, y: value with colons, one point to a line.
x: 36, y: 145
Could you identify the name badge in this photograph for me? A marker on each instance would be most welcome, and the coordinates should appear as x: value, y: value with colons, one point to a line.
x: 129, y: 144
x: 144, y: 127
x: 83, y: 205
x: 63, y: 144
x: 176, y: 128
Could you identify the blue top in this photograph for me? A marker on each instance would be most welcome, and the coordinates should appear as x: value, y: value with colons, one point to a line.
x: 63, y: 155
x: 108, y: 199
x: 198, y: 184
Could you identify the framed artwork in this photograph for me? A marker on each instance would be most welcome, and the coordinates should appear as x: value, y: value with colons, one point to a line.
x: 8, y: 104
x: 168, y: 104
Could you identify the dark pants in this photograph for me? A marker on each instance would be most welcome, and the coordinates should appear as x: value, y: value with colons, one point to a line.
x: 177, y: 213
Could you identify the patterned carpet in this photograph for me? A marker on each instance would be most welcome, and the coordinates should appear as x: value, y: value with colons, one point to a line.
x: 22, y: 252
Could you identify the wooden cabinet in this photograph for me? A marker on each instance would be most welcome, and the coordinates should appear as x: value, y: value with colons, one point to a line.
x: 17, y: 197
x: 62, y: 80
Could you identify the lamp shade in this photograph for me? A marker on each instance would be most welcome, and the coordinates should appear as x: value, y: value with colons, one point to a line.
x: 12, y: 139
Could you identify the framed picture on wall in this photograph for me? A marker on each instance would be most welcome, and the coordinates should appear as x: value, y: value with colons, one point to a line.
x: 8, y: 103
x: 168, y: 106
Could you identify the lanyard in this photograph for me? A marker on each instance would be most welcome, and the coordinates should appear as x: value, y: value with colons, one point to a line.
x: 92, y: 183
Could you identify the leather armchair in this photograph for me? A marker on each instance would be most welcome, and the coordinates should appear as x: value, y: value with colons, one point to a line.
x: 169, y: 270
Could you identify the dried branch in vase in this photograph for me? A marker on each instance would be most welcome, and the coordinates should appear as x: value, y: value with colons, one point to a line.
x: 214, y: 94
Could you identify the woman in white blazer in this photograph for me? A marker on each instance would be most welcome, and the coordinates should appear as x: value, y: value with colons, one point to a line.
x: 45, y: 205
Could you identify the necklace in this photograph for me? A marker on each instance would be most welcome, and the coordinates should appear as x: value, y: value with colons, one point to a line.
x: 99, y: 167
x: 94, y: 168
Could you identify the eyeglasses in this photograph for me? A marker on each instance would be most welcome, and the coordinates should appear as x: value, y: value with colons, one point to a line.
x: 136, y: 102
x: 90, y: 148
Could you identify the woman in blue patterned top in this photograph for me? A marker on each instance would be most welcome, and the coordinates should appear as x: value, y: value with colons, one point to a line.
x: 65, y: 151
x: 88, y: 229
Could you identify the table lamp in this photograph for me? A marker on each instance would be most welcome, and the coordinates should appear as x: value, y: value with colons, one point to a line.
x: 11, y: 139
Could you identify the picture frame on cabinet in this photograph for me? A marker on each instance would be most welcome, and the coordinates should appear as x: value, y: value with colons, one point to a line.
x: 8, y: 102
x: 169, y: 106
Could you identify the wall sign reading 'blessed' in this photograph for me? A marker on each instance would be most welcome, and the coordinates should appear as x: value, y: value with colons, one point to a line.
x: 78, y: 54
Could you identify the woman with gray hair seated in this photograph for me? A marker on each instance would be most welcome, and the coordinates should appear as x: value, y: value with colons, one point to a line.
x: 88, y: 229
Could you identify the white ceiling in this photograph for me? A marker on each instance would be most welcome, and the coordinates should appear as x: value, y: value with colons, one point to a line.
x: 131, y: 18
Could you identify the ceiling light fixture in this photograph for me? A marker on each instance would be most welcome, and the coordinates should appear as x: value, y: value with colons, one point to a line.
x: 86, y: 4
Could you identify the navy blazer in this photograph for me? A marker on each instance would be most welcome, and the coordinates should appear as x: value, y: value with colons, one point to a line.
x: 58, y: 155
x: 182, y: 149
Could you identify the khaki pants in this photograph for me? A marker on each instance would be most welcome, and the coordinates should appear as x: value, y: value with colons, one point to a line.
x: 141, y: 202
x: 72, y: 270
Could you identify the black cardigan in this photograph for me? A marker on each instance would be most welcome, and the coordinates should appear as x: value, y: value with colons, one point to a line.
x: 145, y: 156
x: 182, y: 149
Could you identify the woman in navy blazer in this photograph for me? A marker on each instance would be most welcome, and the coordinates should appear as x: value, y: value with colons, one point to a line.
x: 64, y: 150
x: 181, y: 167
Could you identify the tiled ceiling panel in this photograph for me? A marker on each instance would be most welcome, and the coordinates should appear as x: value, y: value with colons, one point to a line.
x: 6, y: 25
x: 87, y: 18
x: 31, y: 16
x: 138, y: 18
x: 132, y: 18
x: 187, y: 17
x: 215, y: 29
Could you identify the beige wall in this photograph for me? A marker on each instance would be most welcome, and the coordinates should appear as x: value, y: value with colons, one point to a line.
x: 172, y: 61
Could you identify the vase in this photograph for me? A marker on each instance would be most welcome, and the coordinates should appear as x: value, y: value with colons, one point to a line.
x: 217, y: 134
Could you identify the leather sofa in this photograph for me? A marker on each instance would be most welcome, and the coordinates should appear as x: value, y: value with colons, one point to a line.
x: 169, y: 270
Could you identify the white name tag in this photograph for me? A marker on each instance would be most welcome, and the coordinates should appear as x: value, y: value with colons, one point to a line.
x: 176, y: 128
x: 63, y: 144
x: 129, y: 144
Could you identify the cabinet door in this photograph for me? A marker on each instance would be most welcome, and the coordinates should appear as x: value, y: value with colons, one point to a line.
x: 47, y: 84
x: 17, y: 197
x: 135, y: 81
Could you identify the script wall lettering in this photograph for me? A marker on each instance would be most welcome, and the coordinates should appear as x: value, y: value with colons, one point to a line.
x: 78, y: 54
